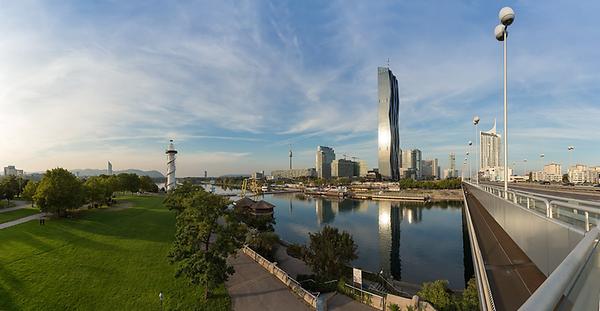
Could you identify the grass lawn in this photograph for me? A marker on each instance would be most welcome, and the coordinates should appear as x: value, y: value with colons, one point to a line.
x: 20, y: 213
x: 103, y: 260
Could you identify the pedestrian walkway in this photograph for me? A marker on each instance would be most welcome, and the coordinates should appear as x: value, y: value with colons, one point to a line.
x: 344, y: 303
x: 20, y: 221
x: 19, y: 205
x: 252, y: 287
x: 292, y: 266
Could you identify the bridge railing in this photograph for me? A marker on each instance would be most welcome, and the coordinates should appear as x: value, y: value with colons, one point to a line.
x: 581, y: 214
x: 486, y: 299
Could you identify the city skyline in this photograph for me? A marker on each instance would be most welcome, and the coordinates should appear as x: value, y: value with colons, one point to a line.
x: 85, y: 83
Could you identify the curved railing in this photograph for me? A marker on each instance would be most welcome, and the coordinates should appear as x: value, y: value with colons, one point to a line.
x: 483, y: 286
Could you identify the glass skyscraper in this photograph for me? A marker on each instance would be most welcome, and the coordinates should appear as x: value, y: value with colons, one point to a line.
x: 388, y: 137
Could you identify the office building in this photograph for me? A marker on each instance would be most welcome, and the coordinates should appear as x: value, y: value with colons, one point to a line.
x: 388, y: 136
x: 490, y: 148
x: 430, y: 169
x: 109, y: 169
x: 343, y: 168
x: 11, y: 170
x: 294, y: 173
x: 325, y: 155
x: 363, y: 169
x: 258, y: 175
x: 451, y: 171
x: 411, y: 164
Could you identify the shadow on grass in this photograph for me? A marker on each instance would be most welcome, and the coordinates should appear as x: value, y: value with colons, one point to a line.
x: 8, y: 284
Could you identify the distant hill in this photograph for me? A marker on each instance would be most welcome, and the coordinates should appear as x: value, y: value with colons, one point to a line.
x: 96, y: 172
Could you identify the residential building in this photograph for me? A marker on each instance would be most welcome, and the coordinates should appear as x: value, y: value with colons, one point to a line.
x: 343, y: 168
x: 411, y: 164
x: 258, y: 175
x: 363, y: 169
x: 388, y: 136
x: 553, y: 168
x: 294, y: 173
x: 582, y: 174
x: 11, y: 170
x: 490, y: 148
x: 451, y: 171
x: 325, y: 155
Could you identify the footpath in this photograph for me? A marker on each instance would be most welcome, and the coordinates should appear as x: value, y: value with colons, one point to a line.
x: 19, y: 221
x: 18, y: 205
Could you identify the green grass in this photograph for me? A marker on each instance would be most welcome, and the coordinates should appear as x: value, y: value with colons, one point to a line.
x: 20, y: 213
x: 102, y: 260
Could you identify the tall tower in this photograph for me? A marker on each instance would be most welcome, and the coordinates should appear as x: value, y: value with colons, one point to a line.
x: 109, y: 169
x: 388, y: 136
x: 290, y: 157
x: 171, y: 152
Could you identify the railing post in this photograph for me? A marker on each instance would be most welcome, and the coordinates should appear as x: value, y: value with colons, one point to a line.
x: 587, y: 221
x: 528, y: 203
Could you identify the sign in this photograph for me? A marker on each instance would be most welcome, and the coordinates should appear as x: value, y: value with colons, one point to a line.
x: 357, y: 277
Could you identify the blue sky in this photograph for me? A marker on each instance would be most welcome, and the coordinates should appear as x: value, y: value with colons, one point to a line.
x: 234, y: 83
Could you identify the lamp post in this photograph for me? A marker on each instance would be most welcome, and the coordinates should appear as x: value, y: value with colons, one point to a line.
x: 507, y: 17
x: 477, y: 146
x: 161, y: 297
x: 525, y: 166
x: 470, y: 173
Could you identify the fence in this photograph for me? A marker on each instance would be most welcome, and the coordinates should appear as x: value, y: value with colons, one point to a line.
x: 292, y: 284
x: 365, y: 297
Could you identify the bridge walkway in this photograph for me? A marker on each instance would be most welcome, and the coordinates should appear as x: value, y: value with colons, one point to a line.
x: 513, y: 277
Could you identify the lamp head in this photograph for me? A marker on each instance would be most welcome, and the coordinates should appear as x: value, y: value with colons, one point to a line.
x: 470, y: 143
x: 475, y: 120
x: 506, y: 16
x: 499, y: 32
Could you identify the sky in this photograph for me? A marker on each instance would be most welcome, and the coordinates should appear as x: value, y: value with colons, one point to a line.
x: 235, y: 83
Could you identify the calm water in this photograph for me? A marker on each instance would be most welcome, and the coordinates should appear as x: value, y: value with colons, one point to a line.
x: 413, y: 242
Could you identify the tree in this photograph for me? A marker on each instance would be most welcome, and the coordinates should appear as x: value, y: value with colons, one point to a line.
x: 206, y: 234
x: 437, y: 293
x: 565, y: 178
x: 147, y: 184
x: 29, y: 191
x: 10, y: 187
x: 175, y: 199
x: 129, y: 182
x: 58, y: 191
x: 99, y: 189
x: 470, y: 297
x: 330, y: 251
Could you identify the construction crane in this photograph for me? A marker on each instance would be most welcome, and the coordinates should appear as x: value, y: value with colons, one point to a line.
x: 251, y: 184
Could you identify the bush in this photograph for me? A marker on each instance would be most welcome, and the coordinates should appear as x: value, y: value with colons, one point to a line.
x: 310, y: 282
x: 393, y: 307
x: 296, y: 251
x: 438, y: 294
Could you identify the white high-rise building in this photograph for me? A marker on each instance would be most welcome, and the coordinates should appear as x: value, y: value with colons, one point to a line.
x: 171, y: 152
x: 109, y: 169
x: 490, y: 148
x: 411, y: 164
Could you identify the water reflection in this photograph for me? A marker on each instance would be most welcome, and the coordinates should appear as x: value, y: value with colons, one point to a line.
x: 413, y: 242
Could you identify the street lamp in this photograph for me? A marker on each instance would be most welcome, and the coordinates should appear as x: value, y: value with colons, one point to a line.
x: 525, y: 164
x: 507, y: 17
x: 161, y: 297
x: 477, y: 146
x: 470, y: 173
x: 570, y: 148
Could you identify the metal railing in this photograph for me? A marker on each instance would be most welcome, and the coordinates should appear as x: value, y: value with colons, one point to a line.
x: 560, y: 282
x: 366, y: 297
x: 580, y: 214
x: 486, y: 299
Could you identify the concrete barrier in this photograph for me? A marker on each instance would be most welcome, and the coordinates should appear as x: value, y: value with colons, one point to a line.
x: 546, y: 241
x: 292, y: 284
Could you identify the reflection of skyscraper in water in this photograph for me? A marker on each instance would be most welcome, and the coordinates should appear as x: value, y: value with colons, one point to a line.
x: 412, y: 214
x: 325, y: 210
x: 390, y: 217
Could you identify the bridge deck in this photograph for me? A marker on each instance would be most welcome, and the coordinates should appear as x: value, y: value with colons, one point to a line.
x: 512, y: 275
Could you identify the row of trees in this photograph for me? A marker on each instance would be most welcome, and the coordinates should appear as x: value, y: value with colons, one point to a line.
x: 59, y: 190
x: 452, y: 183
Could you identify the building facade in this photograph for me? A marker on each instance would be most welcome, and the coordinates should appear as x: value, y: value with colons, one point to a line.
x: 109, y: 168
x: 430, y: 169
x: 325, y: 155
x: 294, y: 173
x: 11, y: 170
x: 582, y: 174
x: 388, y: 135
x: 412, y: 164
x: 343, y: 168
x: 490, y: 148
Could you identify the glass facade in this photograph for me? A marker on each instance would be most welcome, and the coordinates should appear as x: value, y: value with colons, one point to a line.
x: 388, y: 136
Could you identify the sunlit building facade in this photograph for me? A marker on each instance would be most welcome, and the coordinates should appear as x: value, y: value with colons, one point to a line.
x: 388, y: 136
x: 325, y: 155
x: 490, y: 148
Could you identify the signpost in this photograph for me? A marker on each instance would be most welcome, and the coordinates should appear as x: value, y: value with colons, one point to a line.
x: 357, y: 277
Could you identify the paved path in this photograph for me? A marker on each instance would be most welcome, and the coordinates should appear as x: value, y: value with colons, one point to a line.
x: 342, y: 303
x: 252, y: 287
x: 19, y: 221
x: 292, y: 266
x: 513, y: 276
x: 19, y: 205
